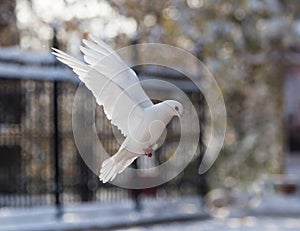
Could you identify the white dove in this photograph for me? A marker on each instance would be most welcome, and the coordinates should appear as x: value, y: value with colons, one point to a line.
x: 117, y: 88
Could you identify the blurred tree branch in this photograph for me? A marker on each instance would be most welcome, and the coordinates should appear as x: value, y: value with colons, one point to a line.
x: 8, y: 23
x: 243, y: 43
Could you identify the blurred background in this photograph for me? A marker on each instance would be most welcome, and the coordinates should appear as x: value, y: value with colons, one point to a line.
x: 251, y: 48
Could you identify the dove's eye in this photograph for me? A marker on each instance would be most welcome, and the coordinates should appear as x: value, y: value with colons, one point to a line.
x: 176, y: 108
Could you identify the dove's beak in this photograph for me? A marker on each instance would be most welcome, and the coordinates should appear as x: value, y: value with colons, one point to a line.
x: 180, y: 115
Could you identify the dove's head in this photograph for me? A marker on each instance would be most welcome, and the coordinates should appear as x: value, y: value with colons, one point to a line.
x: 176, y: 107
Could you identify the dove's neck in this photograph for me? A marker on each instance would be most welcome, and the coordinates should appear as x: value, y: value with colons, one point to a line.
x: 163, y: 112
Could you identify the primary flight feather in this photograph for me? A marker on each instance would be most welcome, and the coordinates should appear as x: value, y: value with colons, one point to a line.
x: 117, y: 88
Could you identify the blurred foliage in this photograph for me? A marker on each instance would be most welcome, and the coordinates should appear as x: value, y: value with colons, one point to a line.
x: 242, y: 42
x: 8, y: 23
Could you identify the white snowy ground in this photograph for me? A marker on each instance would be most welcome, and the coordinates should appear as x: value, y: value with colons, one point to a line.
x: 99, y: 216
x: 275, y: 213
x: 231, y: 224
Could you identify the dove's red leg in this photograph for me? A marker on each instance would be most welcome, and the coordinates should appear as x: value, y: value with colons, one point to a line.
x: 148, y: 152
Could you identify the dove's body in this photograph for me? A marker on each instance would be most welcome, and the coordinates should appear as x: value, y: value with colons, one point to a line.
x: 142, y: 136
x: 145, y: 134
x: 117, y: 88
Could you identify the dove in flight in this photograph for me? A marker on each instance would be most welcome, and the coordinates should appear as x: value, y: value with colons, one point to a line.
x: 117, y: 88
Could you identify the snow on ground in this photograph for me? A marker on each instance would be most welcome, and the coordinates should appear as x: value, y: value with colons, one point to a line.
x: 90, y: 215
x: 279, y: 205
x: 276, y: 213
x: 239, y: 224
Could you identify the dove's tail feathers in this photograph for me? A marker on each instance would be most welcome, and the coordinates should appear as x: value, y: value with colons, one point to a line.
x: 116, y: 164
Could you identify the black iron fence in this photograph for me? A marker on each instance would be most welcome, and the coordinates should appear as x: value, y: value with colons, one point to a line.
x: 39, y: 163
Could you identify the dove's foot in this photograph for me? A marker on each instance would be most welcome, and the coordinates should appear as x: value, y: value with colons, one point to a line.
x: 148, y: 152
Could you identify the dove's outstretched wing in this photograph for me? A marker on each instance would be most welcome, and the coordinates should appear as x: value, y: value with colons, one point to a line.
x: 114, y: 85
x: 106, y: 61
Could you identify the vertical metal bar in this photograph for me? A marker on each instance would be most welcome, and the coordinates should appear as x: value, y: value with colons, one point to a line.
x: 57, y: 177
x: 56, y: 152
x: 136, y: 193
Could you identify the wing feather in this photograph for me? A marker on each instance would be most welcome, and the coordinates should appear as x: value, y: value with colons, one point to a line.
x: 117, y: 104
x: 113, y: 83
x: 109, y: 63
